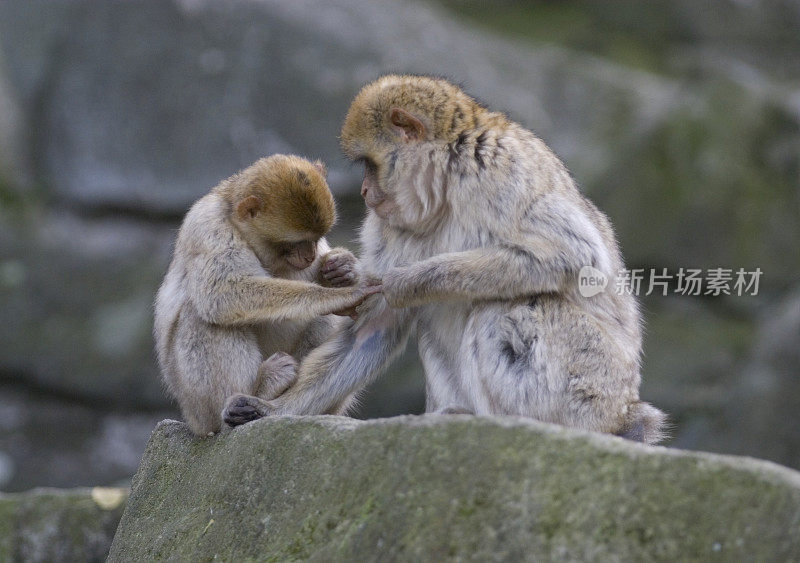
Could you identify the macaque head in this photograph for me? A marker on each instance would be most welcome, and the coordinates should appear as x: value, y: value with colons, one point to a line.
x: 282, y: 204
x: 398, y: 126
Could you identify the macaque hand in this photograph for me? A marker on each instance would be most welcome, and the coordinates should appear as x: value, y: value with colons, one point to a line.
x: 372, y: 287
x: 340, y: 268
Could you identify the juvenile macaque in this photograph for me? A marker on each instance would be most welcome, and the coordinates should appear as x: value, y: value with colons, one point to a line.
x: 478, y: 233
x: 251, y: 275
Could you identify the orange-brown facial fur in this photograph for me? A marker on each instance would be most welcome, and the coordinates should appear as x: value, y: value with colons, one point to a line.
x: 396, y: 125
x: 283, y: 202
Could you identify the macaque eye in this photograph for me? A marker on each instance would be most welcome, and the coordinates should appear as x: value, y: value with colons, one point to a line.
x: 370, y: 169
x: 369, y: 165
x: 285, y: 248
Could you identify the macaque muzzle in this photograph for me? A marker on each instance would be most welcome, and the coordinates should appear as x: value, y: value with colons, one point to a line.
x: 300, y: 255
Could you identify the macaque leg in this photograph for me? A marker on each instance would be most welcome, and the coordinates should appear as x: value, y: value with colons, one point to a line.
x: 333, y: 373
x: 275, y: 375
x: 214, y: 363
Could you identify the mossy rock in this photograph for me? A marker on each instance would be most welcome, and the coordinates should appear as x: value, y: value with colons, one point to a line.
x: 59, y: 524
x: 434, y: 488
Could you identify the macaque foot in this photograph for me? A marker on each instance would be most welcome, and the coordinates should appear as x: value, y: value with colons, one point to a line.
x: 275, y: 375
x: 241, y: 409
x: 340, y: 268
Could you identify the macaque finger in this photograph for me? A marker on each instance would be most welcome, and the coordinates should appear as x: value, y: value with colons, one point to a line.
x: 333, y: 274
x: 373, y: 289
x: 347, y: 312
x: 278, y: 360
x: 345, y: 267
x: 336, y: 262
x: 346, y: 279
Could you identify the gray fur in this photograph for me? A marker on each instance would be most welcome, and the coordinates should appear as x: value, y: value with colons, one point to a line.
x: 223, y: 309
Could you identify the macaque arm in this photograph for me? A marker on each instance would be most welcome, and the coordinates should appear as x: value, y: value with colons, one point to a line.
x: 536, y: 262
x: 348, y: 361
x: 248, y: 297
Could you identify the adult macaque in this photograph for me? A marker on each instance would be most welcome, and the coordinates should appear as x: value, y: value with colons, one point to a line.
x: 478, y: 233
x: 251, y: 275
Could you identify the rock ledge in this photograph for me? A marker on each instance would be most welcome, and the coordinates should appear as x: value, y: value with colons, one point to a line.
x: 448, y: 487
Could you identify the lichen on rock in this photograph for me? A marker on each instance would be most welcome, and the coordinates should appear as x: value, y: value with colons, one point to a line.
x: 434, y: 488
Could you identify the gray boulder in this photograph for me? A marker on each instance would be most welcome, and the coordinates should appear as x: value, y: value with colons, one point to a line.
x: 48, y: 525
x: 145, y: 106
x: 437, y: 488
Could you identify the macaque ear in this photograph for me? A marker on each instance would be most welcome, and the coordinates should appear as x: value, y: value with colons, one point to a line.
x: 407, y: 125
x: 249, y: 207
x: 320, y: 166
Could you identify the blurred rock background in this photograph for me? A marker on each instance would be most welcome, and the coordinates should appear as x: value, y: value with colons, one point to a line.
x: 680, y: 119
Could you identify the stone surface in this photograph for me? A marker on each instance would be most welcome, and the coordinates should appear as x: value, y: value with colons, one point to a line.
x: 150, y: 122
x: 439, y: 488
x: 47, y: 525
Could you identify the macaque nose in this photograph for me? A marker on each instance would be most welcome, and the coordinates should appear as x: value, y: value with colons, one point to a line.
x: 308, y: 252
x: 364, y: 189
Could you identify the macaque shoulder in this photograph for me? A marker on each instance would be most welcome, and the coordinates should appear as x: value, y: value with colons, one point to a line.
x: 206, y: 227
